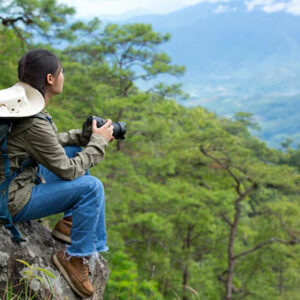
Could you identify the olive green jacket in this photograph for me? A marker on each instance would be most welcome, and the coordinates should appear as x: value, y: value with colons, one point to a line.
x: 40, y: 140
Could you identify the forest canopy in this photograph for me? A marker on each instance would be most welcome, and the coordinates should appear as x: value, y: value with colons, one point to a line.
x: 197, y: 208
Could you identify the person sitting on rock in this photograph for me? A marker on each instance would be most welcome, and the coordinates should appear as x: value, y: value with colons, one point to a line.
x: 59, y: 181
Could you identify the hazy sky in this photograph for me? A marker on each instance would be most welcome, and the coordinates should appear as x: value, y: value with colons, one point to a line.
x: 88, y: 8
x: 91, y: 8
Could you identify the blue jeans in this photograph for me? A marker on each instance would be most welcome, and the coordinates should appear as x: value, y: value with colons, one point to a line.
x: 83, y: 198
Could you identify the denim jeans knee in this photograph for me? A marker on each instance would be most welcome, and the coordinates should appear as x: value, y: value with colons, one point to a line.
x: 88, y: 233
x: 83, y: 198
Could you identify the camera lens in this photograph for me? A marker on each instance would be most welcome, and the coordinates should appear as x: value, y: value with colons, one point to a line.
x: 119, y: 130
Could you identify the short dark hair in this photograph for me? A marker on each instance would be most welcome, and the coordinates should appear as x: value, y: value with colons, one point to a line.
x: 35, y: 65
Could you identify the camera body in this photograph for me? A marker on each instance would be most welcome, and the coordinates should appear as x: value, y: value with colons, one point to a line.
x: 118, y: 131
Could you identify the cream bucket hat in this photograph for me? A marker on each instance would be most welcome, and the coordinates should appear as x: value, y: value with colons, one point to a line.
x: 20, y: 100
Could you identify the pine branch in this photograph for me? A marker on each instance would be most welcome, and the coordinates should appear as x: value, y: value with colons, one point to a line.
x: 270, y: 241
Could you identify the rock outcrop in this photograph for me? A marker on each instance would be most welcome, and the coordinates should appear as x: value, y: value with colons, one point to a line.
x: 37, y: 252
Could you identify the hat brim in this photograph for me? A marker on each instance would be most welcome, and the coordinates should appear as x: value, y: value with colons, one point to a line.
x: 35, y: 103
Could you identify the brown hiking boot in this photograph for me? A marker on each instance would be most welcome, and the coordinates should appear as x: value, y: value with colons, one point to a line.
x: 62, y: 230
x: 76, y: 271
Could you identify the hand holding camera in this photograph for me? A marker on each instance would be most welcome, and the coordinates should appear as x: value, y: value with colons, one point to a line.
x: 106, y: 130
x: 110, y: 130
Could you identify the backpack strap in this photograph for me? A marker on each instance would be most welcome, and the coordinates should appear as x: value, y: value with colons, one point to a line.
x: 4, y: 212
x: 42, y: 117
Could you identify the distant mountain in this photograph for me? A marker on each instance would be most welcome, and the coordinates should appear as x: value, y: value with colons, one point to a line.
x: 238, y: 61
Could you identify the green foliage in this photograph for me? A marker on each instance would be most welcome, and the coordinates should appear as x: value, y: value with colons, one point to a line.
x: 29, y: 274
x: 174, y: 187
x: 120, y: 55
x: 43, y: 17
x: 246, y: 119
x: 124, y: 283
x: 10, y: 53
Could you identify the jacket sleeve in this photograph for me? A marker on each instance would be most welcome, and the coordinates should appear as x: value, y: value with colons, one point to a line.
x: 43, y: 145
x: 72, y: 137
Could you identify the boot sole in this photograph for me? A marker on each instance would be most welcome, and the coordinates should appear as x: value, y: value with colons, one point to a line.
x: 60, y: 236
x: 62, y: 270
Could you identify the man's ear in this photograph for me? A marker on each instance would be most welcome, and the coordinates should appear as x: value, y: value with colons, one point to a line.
x: 50, y: 78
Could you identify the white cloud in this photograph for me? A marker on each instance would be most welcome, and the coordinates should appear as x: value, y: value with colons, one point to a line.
x: 221, y: 9
x: 92, y: 8
x: 215, y: 1
x: 274, y: 7
x: 294, y: 7
x: 271, y: 6
x: 251, y: 4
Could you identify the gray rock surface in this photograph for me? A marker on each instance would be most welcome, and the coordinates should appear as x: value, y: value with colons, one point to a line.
x: 37, y: 251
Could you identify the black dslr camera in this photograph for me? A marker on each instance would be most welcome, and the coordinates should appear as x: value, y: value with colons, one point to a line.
x: 118, y: 131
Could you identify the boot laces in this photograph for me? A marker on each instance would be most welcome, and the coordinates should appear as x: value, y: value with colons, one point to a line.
x: 85, y: 269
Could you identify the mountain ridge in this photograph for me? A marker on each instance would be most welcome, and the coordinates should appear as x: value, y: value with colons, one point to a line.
x: 237, y: 54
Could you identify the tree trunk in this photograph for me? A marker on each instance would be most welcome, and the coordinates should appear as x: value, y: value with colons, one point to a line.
x: 281, y: 280
x: 185, y: 275
x: 231, y: 259
x: 185, y: 282
x: 120, y: 145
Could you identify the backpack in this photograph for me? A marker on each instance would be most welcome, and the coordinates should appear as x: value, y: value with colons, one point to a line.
x: 5, y: 217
